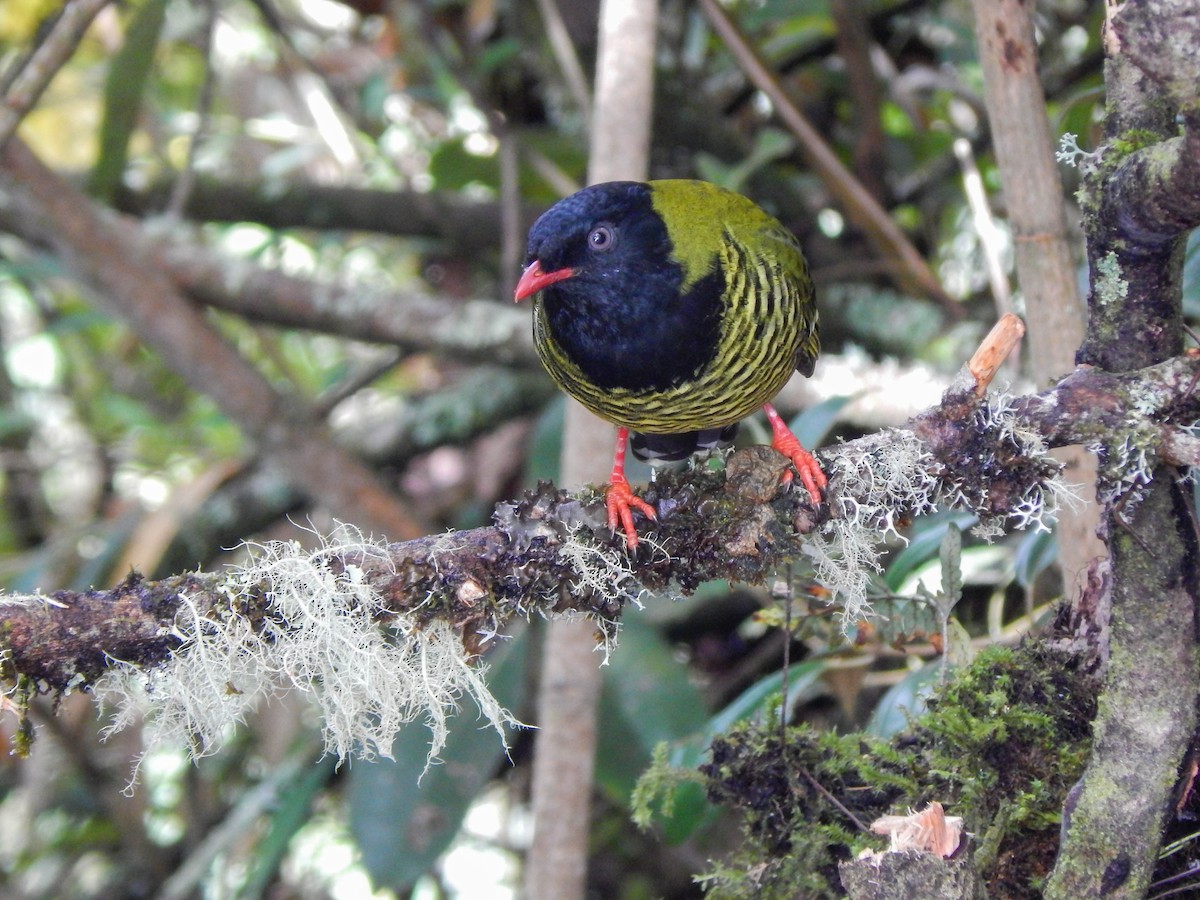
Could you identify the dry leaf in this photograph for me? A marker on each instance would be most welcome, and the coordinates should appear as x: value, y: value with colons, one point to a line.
x: 930, y: 830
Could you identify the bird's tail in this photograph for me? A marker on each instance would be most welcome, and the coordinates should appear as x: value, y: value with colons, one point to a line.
x: 674, y: 447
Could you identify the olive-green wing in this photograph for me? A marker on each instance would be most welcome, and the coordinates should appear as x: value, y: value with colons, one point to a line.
x: 782, y: 244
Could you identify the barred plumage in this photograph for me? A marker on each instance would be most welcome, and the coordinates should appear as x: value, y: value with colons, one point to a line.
x: 671, y: 308
x: 765, y: 335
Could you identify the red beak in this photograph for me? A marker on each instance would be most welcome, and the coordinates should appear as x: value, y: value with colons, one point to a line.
x: 533, y: 279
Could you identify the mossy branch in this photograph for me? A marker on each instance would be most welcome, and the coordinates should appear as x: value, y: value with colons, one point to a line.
x: 1139, y: 200
x: 551, y: 553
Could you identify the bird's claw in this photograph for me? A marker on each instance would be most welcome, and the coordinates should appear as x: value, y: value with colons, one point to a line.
x: 621, y: 501
x: 811, y: 475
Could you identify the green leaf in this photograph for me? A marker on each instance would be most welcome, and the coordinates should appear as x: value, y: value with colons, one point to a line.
x: 1191, y: 275
x: 128, y: 74
x: 769, y: 145
x: 545, y: 444
x: 292, y: 812
x: 648, y: 699
x: 952, y: 580
x: 923, y: 547
x: 903, y: 701
x: 454, y: 167
x: 754, y: 702
x: 813, y: 425
x: 689, y: 808
x: 959, y: 649
x: 497, y: 54
x: 404, y: 817
x: 980, y: 565
x: 1035, y: 553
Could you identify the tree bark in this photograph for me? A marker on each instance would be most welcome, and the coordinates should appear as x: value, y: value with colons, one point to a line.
x: 1141, y: 193
x: 1045, y: 269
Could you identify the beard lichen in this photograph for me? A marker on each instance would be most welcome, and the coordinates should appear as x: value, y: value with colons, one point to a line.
x: 306, y: 620
x: 988, y: 464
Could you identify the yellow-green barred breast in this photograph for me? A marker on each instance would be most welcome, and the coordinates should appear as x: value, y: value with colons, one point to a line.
x: 768, y: 318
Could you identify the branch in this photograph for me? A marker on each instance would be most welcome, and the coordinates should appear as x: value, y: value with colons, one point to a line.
x: 471, y: 330
x: 468, y: 330
x: 45, y: 61
x: 551, y: 553
x: 861, y: 208
x: 466, y: 224
x: 106, y: 257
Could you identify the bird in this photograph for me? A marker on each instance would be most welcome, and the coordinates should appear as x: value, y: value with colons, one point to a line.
x: 673, y: 309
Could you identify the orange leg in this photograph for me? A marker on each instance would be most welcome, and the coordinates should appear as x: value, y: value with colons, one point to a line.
x: 620, y: 498
x: 787, y: 444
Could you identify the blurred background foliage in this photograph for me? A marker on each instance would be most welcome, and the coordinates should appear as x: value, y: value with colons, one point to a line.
x: 398, y: 151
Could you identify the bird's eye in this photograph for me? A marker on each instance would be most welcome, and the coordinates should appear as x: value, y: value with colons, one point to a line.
x: 602, y: 238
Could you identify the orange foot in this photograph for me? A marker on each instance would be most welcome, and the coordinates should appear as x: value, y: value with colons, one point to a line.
x: 621, y: 501
x: 788, y: 444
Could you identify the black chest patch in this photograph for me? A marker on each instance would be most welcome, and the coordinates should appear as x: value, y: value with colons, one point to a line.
x: 638, y: 333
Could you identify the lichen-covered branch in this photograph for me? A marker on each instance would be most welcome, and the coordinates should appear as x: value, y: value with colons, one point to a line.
x: 103, y: 255
x: 460, y: 222
x: 470, y: 330
x: 250, y: 630
x: 1139, y: 199
x: 36, y: 71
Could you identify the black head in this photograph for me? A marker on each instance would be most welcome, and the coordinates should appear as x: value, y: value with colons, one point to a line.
x: 601, y: 261
x: 607, y: 234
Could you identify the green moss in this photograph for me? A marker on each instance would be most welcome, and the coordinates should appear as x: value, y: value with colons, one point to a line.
x: 22, y: 697
x: 1132, y: 140
x: 1001, y: 744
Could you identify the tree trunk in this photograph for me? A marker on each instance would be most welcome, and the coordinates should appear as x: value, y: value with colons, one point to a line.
x: 1045, y: 270
x: 1141, y: 194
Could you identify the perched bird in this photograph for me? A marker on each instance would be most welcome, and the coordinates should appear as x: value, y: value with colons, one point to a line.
x: 672, y: 309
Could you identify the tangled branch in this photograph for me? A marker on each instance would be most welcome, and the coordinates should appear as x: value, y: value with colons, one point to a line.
x: 359, y: 607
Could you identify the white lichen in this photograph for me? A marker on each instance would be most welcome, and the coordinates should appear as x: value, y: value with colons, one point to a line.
x: 605, y: 573
x: 891, y: 476
x: 895, y: 475
x: 323, y: 631
x: 1130, y: 473
x: 1110, y: 287
x: 601, y: 571
x: 1038, y: 508
x: 1071, y: 154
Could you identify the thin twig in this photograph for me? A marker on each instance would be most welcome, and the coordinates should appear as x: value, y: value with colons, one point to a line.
x: 990, y: 240
x: 994, y: 349
x: 354, y: 382
x: 863, y: 209
x: 181, y: 190
x: 44, y: 63
x: 824, y: 792
x: 566, y: 56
